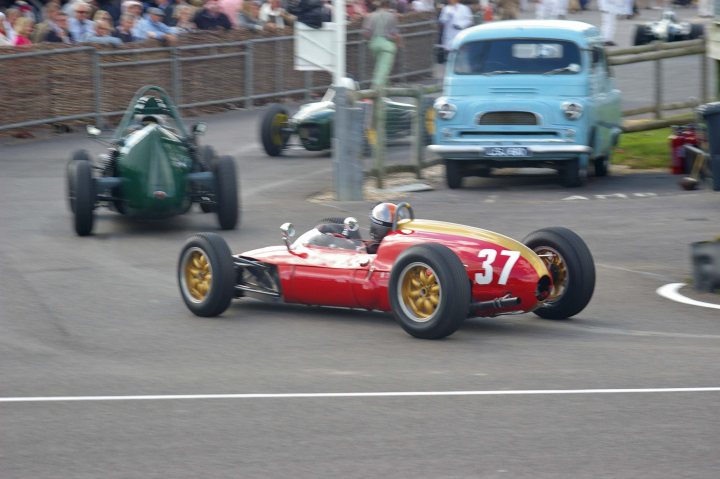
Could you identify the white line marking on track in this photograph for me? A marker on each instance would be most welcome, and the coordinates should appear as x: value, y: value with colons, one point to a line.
x: 671, y: 292
x: 527, y: 392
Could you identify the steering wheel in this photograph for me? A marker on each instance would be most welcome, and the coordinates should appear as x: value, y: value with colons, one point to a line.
x: 400, y: 207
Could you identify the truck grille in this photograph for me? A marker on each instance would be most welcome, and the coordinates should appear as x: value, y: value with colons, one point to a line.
x: 508, y: 118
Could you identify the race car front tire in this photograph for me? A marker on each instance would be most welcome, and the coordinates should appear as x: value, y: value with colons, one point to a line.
x: 571, y: 267
x: 429, y: 291
x: 206, y: 274
x: 81, y: 195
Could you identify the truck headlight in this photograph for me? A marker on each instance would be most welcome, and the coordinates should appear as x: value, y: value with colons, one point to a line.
x: 572, y: 110
x: 444, y: 109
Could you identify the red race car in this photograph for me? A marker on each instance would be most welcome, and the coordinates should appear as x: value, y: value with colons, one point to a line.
x: 432, y: 275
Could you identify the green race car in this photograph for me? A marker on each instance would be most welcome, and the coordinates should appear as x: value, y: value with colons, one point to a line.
x: 154, y: 169
x: 313, y: 124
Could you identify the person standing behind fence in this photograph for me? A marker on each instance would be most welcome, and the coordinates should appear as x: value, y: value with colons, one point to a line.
x: 4, y: 40
x: 381, y: 28
x: 80, y: 25
x: 454, y: 17
x: 212, y: 18
x: 59, y: 33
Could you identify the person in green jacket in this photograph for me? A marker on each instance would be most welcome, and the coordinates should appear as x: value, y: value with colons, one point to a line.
x: 381, y: 28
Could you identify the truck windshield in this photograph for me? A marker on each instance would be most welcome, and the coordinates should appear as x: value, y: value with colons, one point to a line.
x: 518, y: 56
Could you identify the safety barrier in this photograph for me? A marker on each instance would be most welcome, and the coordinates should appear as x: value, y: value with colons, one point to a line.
x: 57, y: 84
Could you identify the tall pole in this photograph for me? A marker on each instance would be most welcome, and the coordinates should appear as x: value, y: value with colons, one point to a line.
x: 339, y: 15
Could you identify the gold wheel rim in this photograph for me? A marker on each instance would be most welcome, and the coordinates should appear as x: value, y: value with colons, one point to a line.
x: 279, y: 121
x: 419, y: 292
x: 559, y: 273
x: 197, y: 275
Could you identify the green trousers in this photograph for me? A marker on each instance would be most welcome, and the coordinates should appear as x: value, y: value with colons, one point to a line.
x: 384, y: 52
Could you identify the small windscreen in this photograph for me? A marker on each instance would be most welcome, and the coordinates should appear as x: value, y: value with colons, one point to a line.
x: 518, y: 56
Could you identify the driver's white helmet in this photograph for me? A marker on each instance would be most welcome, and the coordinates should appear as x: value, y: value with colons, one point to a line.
x: 382, y: 217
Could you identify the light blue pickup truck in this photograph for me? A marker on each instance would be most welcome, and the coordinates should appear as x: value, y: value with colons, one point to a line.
x: 526, y: 93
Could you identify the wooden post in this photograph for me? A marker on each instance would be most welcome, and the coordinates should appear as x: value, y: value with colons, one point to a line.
x: 658, y: 86
x: 417, y: 133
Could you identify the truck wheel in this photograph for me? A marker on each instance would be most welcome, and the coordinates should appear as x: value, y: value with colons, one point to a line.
x: 226, y: 192
x: 81, y: 194
x: 572, y: 174
x: 206, y: 274
x: 571, y: 266
x: 274, y: 139
x: 601, y: 165
x: 429, y: 291
x: 453, y: 174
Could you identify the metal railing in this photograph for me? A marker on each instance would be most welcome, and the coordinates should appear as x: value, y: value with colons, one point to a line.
x: 196, y: 75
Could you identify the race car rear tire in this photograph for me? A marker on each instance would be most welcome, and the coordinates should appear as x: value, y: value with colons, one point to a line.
x: 571, y: 266
x: 697, y: 30
x: 429, y: 291
x: 82, y: 196
x: 206, y: 274
x: 226, y: 192
x: 79, y: 155
x: 453, y: 174
x: 273, y: 139
x: 642, y: 36
x: 208, y: 157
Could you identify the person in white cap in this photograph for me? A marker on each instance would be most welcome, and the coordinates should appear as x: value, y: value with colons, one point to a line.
x: 132, y: 7
x: 80, y: 25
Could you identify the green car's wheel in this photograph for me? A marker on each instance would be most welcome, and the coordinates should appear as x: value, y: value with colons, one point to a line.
x: 82, y: 196
x: 226, y: 193
x: 206, y: 274
x: 272, y: 130
x: 208, y: 157
x: 429, y: 291
x: 453, y: 174
x: 79, y: 155
x: 571, y: 265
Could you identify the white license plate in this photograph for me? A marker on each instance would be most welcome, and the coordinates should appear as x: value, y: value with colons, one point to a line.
x: 509, y: 151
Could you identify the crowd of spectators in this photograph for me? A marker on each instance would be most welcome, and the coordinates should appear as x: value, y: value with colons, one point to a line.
x: 114, y: 22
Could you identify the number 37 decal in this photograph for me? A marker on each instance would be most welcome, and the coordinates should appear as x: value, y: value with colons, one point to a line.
x: 489, y: 256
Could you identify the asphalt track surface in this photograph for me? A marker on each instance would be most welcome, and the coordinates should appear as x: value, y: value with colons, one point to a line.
x: 628, y: 388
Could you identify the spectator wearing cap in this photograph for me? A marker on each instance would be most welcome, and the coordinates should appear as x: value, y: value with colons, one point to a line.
x: 23, y: 27
x: 168, y: 7
x: 125, y: 27
x: 132, y: 7
x: 211, y: 18
x: 152, y: 26
x: 80, y: 25
x: 103, y: 33
x: 4, y: 40
x: 59, y: 33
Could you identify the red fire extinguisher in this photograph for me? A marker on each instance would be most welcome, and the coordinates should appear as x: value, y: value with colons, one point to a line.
x: 488, y: 14
x: 681, y: 136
